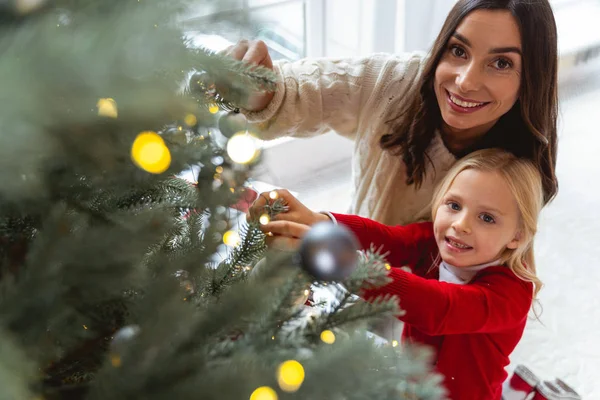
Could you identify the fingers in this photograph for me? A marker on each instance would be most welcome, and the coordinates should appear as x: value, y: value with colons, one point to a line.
x: 258, y: 53
x: 238, y: 50
x: 286, y: 228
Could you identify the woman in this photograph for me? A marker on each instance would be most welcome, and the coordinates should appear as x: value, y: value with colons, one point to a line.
x: 490, y: 80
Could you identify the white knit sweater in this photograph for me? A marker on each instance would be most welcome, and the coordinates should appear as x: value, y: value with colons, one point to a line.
x: 354, y: 97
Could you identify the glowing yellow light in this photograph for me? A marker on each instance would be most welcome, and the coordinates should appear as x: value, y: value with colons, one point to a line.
x: 190, y: 120
x: 388, y: 266
x: 232, y: 190
x: 328, y: 337
x: 290, y: 375
x: 273, y: 195
x: 306, y: 292
x: 219, y: 170
x: 242, y: 148
x: 213, y: 108
x: 394, y: 343
x: 107, y: 108
x: 115, y: 360
x: 263, y: 393
x: 150, y: 153
x: 231, y: 238
x: 272, y: 337
x: 85, y: 327
x: 27, y: 6
x: 264, y: 219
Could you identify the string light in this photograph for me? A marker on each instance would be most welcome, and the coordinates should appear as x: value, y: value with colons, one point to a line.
x: 388, y: 266
x: 242, y: 148
x: 107, y: 108
x: 213, y: 108
x: 231, y: 238
x: 328, y: 336
x: 395, y: 343
x: 115, y: 360
x: 150, y: 153
x: 190, y: 120
x: 273, y: 195
x: 264, y: 219
x: 290, y: 375
x: 263, y: 393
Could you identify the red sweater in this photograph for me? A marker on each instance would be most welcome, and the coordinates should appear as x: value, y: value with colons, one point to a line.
x: 472, y: 327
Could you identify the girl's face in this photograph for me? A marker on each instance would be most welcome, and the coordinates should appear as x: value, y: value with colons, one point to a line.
x: 477, y: 220
x: 479, y: 76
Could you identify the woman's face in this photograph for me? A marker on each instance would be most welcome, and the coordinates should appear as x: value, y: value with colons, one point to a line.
x: 479, y: 76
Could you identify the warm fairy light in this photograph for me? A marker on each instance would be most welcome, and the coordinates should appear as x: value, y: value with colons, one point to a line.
x: 213, y: 108
x: 231, y: 238
x: 115, y: 360
x: 290, y: 375
x: 219, y: 170
x: 328, y: 336
x: 273, y: 195
x: 388, y: 266
x: 242, y: 148
x: 394, y: 343
x: 306, y: 292
x: 150, y: 153
x: 27, y: 6
x: 85, y: 327
x: 264, y: 219
x: 107, y: 108
x: 263, y: 393
x: 190, y: 120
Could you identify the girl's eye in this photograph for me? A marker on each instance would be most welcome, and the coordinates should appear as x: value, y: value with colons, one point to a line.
x: 487, y: 218
x: 502, y: 63
x: 457, y: 51
x: 454, y: 205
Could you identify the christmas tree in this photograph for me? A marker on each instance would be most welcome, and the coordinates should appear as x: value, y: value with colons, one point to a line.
x: 121, y: 280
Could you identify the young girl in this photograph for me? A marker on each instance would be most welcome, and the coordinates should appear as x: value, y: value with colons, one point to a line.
x: 473, y: 275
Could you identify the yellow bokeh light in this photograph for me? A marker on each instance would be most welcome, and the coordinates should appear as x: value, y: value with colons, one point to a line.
x: 263, y: 393
x: 150, y: 153
x: 107, y: 108
x: 213, y: 108
x: 388, y: 266
x: 264, y: 219
x: 273, y: 195
x: 231, y: 238
x: 115, y: 360
x: 290, y: 375
x: 328, y: 337
x: 395, y: 343
x: 190, y: 120
x: 242, y: 148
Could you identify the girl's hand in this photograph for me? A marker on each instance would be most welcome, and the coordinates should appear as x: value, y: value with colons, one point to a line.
x: 297, y: 212
x: 284, y: 235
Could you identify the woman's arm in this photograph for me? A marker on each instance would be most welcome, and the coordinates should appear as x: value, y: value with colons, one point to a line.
x: 314, y: 96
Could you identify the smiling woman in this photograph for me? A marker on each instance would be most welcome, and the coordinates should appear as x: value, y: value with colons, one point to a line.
x: 478, y: 78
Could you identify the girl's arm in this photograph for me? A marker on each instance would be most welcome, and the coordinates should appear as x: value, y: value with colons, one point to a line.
x: 405, y: 244
x: 496, y: 300
x: 314, y: 96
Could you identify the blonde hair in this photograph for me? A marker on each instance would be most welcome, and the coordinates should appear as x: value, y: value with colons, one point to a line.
x: 525, y: 184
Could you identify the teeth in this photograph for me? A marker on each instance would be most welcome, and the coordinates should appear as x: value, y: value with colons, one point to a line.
x: 465, y: 104
x: 459, y: 245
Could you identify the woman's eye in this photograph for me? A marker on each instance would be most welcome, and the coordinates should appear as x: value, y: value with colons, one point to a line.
x: 457, y: 51
x: 487, y: 218
x: 503, y: 63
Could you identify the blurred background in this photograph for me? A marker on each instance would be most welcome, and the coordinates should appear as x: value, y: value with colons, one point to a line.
x: 564, y: 344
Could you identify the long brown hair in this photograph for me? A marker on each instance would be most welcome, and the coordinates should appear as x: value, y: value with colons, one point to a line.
x: 527, y: 130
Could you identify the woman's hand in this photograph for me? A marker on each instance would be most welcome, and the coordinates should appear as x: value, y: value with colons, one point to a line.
x: 253, y: 52
x: 284, y: 235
